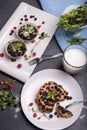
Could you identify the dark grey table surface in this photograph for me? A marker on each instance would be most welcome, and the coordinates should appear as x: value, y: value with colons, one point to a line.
x: 8, y: 119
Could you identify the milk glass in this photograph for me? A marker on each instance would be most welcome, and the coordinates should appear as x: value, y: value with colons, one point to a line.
x: 74, y: 59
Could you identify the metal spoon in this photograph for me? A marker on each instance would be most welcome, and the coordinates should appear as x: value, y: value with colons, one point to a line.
x: 38, y: 60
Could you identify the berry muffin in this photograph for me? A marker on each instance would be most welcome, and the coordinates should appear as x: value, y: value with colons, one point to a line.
x: 27, y: 32
x: 15, y: 49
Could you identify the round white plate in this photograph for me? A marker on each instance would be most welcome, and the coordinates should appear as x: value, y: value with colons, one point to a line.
x: 32, y: 86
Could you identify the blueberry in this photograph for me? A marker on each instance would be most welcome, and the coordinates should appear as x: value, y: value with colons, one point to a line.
x: 55, y: 113
x: 35, y: 19
x: 21, y: 19
x: 25, y: 15
x: 50, y: 116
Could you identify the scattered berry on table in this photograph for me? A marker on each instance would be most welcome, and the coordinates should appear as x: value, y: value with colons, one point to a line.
x: 55, y: 113
x: 35, y: 115
x: 21, y: 19
x: 26, y: 19
x: 35, y: 19
x: 33, y: 41
x: 39, y: 26
x: 10, y: 34
x: 50, y: 116
x: 19, y: 66
x: 20, y: 23
x: 25, y: 15
x: 43, y: 22
x: 15, y: 27
x: 13, y: 60
x: 31, y: 104
x: 1, y: 54
x: 34, y: 53
x: 12, y: 31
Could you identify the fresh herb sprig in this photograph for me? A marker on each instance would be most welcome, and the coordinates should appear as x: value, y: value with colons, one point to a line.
x: 52, y: 95
x: 6, y: 95
x: 76, y: 40
x: 42, y: 36
x: 17, y: 46
x: 75, y: 19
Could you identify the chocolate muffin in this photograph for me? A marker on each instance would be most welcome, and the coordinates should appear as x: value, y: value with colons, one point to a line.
x: 15, y: 49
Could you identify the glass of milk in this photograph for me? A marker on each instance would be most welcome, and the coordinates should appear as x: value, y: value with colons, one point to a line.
x: 74, y: 59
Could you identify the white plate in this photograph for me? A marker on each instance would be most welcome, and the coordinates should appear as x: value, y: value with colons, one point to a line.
x: 47, y: 24
x: 32, y: 86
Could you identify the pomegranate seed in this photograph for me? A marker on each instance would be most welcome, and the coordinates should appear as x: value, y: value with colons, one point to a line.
x: 19, y: 66
x: 15, y: 27
x: 43, y: 22
x: 26, y: 19
x: 33, y: 41
x: 35, y: 115
x: 39, y: 26
x: 31, y: 104
x: 25, y: 15
x: 12, y: 31
x: 1, y: 54
x: 34, y: 53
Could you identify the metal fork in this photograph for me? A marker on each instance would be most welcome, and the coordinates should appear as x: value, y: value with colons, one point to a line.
x: 74, y: 103
x: 38, y: 60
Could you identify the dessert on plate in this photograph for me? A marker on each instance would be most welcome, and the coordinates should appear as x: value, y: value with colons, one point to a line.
x: 63, y: 112
x: 15, y: 49
x: 49, y: 95
x: 27, y: 32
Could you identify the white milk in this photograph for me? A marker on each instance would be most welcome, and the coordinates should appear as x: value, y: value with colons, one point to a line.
x: 76, y: 59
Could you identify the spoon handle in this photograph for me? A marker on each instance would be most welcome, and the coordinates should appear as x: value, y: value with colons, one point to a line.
x: 74, y: 103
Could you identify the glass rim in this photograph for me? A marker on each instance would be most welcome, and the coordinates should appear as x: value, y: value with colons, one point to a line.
x: 66, y: 60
